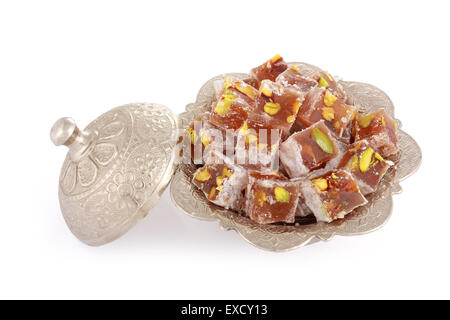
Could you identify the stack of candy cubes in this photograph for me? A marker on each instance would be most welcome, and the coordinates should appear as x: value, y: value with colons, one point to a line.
x: 281, y: 145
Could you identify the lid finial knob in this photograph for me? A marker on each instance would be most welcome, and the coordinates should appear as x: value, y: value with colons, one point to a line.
x: 80, y: 143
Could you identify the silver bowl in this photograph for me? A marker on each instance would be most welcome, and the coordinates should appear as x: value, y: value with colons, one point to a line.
x: 364, y: 219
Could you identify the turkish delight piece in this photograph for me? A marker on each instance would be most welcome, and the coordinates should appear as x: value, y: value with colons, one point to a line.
x: 380, y: 130
x: 271, y: 198
x: 269, y: 70
x: 321, y: 103
x: 332, y: 196
x: 222, y: 182
x: 278, y: 105
x: 325, y: 80
x: 366, y: 165
x: 293, y: 77
x: 257, y: 145
x: 308, y: 150
x: 201, y: 138
x: 235, y: 102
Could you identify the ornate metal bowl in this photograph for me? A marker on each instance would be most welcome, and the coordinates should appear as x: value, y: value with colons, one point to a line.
x: 286, y: 237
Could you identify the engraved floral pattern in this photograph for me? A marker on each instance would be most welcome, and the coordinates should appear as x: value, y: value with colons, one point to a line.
x: 81, y: 176
x: 132, y: 160
x: 126, y: 190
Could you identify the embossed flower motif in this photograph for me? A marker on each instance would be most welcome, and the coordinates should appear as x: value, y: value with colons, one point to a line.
x: 126, y: 191
x: 103, y: 154
x: 145, y: 165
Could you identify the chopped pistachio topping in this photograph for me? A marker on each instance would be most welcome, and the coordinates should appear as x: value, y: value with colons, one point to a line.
x: 244, y: 130
x: 275, y: 58
x: 322, y: 140
x: 352, y: 163
x: 246, y: 89
x: 378, y: 157
x: 212, y: 193
x: 329, y: 98
x: 223, y: 106
x: 205, y: 139
x: 192, y: 135
x: 229, y: 96
x: 226, y: 172
x: 282, y: 195
x: 228, y: 92
x: 296, y: 106
x: 364, y: 122
x: 323, y: 83
x: 271, y: 108
x: 328, y: 113
x: 290, y: 119
x: 366, y: 158
x: 320, y: 183
x: 219, y: 180
x: 227, y: 83
x: 203, y: 175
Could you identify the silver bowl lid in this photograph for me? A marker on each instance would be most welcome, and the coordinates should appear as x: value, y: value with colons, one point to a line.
x: 116, y: 169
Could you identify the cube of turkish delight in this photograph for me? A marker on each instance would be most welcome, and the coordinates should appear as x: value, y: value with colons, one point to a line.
x: 234, y: 104
x: 222, y: 182
x: 366, y: 165
x: 278, y: 105
x: 325, y: 80
x: 293, y: 77
x: 380, y: 130
x: 201, y: 138
x: 257, y: 145
x: 269, y: 70
x: 321, y: 104
x: 332, y: 196
x: 308, y: 150
x: 271, y: 198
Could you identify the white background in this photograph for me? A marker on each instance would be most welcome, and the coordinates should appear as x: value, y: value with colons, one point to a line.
x: 82, y: 58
